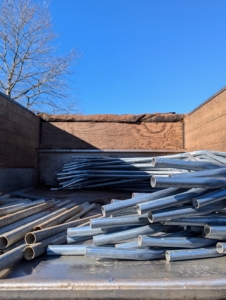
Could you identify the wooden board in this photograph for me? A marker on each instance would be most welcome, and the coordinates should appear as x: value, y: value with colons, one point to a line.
x: 205, y: 128
x: 88, y: 135
x: 19, y: 136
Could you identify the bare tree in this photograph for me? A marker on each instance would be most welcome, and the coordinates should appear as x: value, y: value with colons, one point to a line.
x: 31, y: 71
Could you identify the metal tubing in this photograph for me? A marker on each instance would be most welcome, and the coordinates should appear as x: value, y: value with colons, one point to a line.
x: 188, y: 183
x: 11, y: 237
x: 132, y: 244
x: 195, y: 229
x: 27, y: 196
x: 59, y: 219
x: 183, y: 164
x: 63, y: 203
x: 32, y: 251
x: 78, y: 250
x: 11, y: 257
x: 86, y: 231
x: 18, y: 207
x: 25, y: 213
x: 220, y: 172
x: 83, y: 212
x: 198, y: 221
x: 163, y: 215
x: 209, y: 198
x: 118, y: 221
x: 126, y: 234
x: 215, y: 230
x: 173, y: 255
x: 221, y: 247
x: 123, y: 212
x: 128, y: 254
x: 73, y: 240
x: 106, y: 209
x: 36, y: 236
x: 177, y: 242
x: 169, y: 201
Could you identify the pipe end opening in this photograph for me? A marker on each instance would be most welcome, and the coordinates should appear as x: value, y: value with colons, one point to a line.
x: 151, y: 218
x: 153, y: 181
x: 4, y: 243
x: 103, y: 211
x: 139, y: 240
x: 195, y: 203
x: 219, y: 248
x: 30, y: 238
x: 207, y: 229
x: 167, y: 255
x: 153, y: 162
x: 29, y: 253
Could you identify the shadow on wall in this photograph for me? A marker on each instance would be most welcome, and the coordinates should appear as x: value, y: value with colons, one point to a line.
x: 52, y: 137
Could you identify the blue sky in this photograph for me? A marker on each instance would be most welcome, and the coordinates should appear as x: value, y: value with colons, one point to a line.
x: 144, y: 56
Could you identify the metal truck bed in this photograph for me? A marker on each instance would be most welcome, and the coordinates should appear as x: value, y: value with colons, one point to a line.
x: 86, y: 278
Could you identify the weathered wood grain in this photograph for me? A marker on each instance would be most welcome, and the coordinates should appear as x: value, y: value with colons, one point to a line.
x: 205, y: 128
x: 88, y: 135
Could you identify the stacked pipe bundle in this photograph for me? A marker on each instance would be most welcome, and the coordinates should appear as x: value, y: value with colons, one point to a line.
x: 130, y: 174
x: 25, y: 217
x: 185, y: 220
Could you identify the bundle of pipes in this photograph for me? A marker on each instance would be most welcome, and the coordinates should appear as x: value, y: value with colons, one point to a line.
x: 35, y: 222
x: 132, y: 173
x: 178, y: 223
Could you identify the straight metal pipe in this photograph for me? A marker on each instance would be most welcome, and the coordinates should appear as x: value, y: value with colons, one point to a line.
x: 159, y: 216
x: 18, y: 207
x: 109, y: 208
x: 36, y: 236
x: 11, y: 257
x: 169, y: 201
x: 221, y: 247
x: 183, y: 164
x: 173, y: 255
x: 188, y: 183
x: 195, y: 229
x: 198, y: 221
x: 118, y: 221
x: 32, y: 251
x: 59, y: 219
x: 128, y: 254
x: 215, y: 230
x: 126, y: 234
x: 209, y: 198
x: 177, y: 242
x: 25, y: 213
x: 11, y: 237
x: 77, y: 250
x: 82, y: 212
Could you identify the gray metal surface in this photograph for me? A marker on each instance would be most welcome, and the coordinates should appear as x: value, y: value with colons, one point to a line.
x: 79, y: 277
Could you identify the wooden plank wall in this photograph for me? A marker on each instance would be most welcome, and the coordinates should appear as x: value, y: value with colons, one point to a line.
x: 205, y: 127
x: 19, y: 135
x: 114, y: 136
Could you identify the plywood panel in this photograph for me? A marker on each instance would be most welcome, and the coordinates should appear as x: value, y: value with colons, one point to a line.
x: 205, y: 128
x: 104, y: 136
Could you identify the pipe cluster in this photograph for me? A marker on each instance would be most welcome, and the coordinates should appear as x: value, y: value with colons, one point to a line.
x: 28, y: 224
x: 184, y: 220
x: 132, y: 174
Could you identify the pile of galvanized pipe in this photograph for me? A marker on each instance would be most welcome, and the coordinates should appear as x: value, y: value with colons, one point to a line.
x: 36, y: 222
x: 130, y: 174
x: 185, y: 220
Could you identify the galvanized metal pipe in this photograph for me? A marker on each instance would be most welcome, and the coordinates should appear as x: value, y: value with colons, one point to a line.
x: 195, y: 229
x: 182, y: 164
x: 209, y: 198
x: 126, y: 234
x: 35, y: 250
x: 127, y: 254
x: 18, y: 207
x: 173, y: 255
x: 73, y: 240
x: 169, y: 201
x: 176, y: 242
x: 175, y: 213
x: 25, y: 213
x: 109, y: 208
x: 59, y: 219
x: 82, y: 212
x: 11, y: 237
x: 36, y: 236
x: 215, y: 230
x: 198, y: 221
x: 77, y: 250
x: 221, y: 247
x: 11, y: 257
x: 118, y: 221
